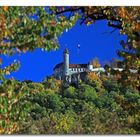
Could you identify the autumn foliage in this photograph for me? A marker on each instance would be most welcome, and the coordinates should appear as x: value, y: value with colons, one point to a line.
x: 124, y: 19
x: 95, y: 63
x: 21, y: 32
x: 89, y: 108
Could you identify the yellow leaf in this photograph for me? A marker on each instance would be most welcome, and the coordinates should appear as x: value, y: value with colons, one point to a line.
x: 5, y: 33
x: 7, y: 73
x: 63, y: 24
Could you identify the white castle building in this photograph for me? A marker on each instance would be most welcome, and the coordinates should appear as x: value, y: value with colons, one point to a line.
x: 71, y: 72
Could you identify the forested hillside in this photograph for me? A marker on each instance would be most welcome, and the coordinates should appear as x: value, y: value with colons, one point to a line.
x: 96, y: 106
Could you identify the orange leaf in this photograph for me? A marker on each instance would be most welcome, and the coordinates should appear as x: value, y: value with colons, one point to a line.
x: 24, y: 50
x: 5, y: 8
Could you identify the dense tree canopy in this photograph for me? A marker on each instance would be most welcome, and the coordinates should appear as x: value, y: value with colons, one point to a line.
x: 68, y: 110
x: 86, y: 109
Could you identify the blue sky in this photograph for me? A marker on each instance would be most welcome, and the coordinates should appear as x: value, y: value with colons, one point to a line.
x: 93, y: 40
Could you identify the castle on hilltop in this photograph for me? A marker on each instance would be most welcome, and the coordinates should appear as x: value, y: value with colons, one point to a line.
x: 72, y: 72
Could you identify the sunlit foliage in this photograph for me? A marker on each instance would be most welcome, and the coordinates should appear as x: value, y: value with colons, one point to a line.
x: 60, y: 110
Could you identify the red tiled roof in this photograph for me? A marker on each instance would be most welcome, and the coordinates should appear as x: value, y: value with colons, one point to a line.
x: 78, y: 66
x: 71, y: 66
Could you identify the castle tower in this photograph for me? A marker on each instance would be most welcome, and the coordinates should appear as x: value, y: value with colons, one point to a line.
x: 66, y: 62
x: 90, y: 66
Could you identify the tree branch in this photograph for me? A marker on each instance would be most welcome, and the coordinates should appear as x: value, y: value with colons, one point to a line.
x: 93, y: 17
x: 118, y: 26
x: 69, y: 10
x: 110, y: 32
